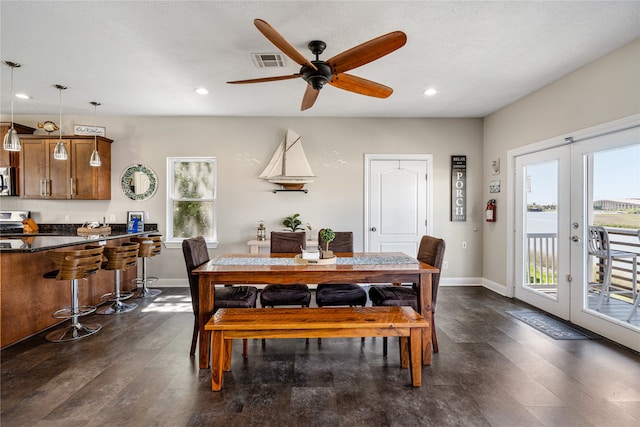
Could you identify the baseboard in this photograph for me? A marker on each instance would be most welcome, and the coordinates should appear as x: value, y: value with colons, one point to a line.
x: 171, y: 283
x: 461, y: 281
x: 496, y: 287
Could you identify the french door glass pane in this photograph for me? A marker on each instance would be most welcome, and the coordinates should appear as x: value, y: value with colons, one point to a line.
x: 541, y: 228
x: 613, y: 185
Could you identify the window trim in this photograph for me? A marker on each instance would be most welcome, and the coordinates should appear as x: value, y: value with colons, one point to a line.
x: 174, y: 242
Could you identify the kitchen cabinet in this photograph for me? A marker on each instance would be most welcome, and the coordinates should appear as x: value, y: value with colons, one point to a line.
x: 12, y: 158
x: 43, y: 177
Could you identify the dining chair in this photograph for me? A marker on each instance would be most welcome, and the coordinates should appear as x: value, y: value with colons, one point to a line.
x: 332, y: 295
x: 276, y: 295
x: 600, y: 247
x: 195, y: 254
x: 430, y: 251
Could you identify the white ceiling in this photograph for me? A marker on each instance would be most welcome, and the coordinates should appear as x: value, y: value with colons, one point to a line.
x: 147, y: 57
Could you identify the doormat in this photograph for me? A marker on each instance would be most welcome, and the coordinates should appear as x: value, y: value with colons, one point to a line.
x: 548, y: 325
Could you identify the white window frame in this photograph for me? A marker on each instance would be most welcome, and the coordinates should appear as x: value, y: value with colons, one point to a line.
x: 176, y: 242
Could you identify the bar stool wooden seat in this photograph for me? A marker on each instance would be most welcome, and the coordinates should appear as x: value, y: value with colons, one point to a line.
x: 119, y: 258
x: 74, y: 265
x: 150, y: 246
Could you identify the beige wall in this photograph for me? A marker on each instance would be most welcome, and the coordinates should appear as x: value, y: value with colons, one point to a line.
x: 244, y: 145
x: 603, y: 91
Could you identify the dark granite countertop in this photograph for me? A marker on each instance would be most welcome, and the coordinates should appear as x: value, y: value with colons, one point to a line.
x: 54, y: 236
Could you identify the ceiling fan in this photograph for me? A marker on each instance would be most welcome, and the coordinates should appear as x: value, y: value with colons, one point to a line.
x: 317, y: 73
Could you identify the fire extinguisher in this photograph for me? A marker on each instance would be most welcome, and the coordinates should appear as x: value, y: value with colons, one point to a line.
x: 490, y: 212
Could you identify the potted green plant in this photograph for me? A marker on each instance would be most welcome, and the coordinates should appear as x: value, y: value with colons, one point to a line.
x: 327, y: 235
x: 293, y: 222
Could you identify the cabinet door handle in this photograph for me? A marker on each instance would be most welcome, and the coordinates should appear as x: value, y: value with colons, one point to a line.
x: 42, y: 184
x: 49, y: 186
x: 71, y: 185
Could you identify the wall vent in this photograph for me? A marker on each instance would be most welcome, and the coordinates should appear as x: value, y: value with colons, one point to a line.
x: 269, y: 60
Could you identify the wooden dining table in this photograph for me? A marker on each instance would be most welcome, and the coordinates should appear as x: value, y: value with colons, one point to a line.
x: 284, y: 269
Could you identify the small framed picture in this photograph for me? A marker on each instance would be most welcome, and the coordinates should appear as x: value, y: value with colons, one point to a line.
x: 494, y: 186
x: 135, y: 221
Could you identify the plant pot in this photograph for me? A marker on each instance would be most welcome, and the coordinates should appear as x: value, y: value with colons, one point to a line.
x: 326, y: 254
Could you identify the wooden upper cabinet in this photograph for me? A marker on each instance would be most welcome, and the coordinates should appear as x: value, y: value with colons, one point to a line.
x: 12, y: 158
x: 43, y: 177
x: 89, y: 182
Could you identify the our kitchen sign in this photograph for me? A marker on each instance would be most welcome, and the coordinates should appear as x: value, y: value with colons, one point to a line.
x: 458, y: 188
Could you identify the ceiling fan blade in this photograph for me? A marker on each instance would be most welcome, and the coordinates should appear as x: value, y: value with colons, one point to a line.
x: 360, y: 85
x: 309, y: 98
x: 266, y: 79
x: 367, y: 52
x: 274, y: 37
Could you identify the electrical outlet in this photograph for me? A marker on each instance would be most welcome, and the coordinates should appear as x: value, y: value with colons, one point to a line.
x: 112, y: 218
x: 146, y: 216
x: 464, y: 245
x: 445, y: 265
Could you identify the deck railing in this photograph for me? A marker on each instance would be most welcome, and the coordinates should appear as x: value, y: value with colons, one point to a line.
x: 542, y: 260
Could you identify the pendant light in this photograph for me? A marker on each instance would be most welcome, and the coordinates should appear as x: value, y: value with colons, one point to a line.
x: 11, y: 139
x: 95, y: 156
x: 60, y: 152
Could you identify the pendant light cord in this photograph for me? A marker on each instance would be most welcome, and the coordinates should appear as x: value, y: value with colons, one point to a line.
x: 12, y: 95
x: 60, y: 110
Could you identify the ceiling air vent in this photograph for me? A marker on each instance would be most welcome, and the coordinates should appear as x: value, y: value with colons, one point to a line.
x: 269, y: 60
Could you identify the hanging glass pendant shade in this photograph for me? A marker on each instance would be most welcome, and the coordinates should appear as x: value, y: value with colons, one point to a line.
x: 95, y: 156
x: 95, y: 159
x: 60, y: 152
x: 11, y: 139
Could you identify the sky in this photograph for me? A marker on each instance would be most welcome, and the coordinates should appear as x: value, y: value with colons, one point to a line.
x: 616, y: 176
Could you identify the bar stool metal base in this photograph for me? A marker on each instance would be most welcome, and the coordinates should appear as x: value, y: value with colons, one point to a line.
x: 115, y: 296
x: 73, y: 332
x: 70, y: 312
x: 142, y: 282
x: 117, y: 307
x: 148, y: 292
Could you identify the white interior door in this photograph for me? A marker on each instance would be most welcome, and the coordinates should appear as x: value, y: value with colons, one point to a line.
x: 397, y: 195
x: 542, y: 215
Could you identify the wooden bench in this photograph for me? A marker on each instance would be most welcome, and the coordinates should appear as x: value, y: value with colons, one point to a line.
x: 327, y: 322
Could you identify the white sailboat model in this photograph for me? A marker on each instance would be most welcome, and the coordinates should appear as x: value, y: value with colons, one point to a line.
x: 289, y: 166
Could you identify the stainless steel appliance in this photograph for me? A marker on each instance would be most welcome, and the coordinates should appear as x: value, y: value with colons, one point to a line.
x: 11, y: 221
x: 7, y: 181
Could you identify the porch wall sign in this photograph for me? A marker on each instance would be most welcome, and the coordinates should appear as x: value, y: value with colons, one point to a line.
x: 458, y: 188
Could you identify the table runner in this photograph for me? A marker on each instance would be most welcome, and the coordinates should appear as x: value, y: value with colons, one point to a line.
x: 357, y: 260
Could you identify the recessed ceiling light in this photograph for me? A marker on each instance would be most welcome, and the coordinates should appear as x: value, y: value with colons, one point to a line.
x: 430, y: 92
x: 22, y: 96
x: 202, y: 91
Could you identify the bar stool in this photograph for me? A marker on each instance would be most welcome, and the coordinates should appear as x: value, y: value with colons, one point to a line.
x: 74, y: 265
x: 119, y: 258
x: 149, y: 247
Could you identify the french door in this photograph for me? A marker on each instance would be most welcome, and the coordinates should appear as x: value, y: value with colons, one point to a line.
x: 560, y: 192
x: 543, y: 253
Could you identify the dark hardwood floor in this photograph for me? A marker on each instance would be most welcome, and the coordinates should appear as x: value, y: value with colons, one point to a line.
x: 492, y: 370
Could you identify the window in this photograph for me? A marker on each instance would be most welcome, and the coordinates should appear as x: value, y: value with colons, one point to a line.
x: 191, y: 199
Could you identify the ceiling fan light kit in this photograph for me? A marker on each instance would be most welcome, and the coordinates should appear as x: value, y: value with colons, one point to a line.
x: 318, y: 73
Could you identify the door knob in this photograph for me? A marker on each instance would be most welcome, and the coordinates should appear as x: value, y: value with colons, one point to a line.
x: 575, y: 238
x: 374, y: 229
